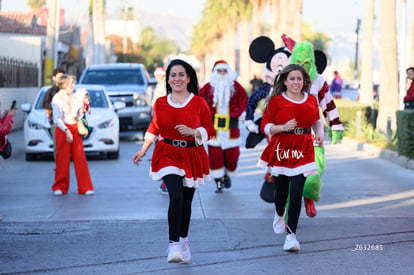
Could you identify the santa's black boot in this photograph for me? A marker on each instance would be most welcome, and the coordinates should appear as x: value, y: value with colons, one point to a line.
x: 227, y: 181
x: 219, y: 185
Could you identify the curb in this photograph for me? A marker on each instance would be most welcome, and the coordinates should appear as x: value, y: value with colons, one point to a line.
x: 385, y: 154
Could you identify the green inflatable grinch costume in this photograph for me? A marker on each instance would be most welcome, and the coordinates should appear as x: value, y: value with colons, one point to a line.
x: 304, y: 54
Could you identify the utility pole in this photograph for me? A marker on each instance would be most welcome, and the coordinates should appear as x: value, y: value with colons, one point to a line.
x: 356, y: 49
x: 98, y: 27
x: 125, y: 37
x: 401, y: 75
x: 52, y: 40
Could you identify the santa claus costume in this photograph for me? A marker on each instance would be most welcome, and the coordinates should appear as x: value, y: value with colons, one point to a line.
x: 227, y: 100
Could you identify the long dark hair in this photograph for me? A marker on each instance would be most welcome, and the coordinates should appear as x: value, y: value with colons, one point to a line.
x: 279, y: 84
x: 192, y: 86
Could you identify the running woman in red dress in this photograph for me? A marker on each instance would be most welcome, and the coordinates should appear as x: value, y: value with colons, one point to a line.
x: 290, y: 114
x: 182, y: 121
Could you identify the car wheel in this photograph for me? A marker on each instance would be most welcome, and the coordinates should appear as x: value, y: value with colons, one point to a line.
x: 113, y: 155
x: 30, y: 157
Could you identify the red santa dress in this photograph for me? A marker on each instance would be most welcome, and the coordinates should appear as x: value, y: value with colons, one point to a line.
x: 290, y: 154
x: 224, y: 150
x: 190, y: 162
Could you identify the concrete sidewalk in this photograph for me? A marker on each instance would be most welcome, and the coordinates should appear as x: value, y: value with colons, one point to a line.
x: 364, y: 223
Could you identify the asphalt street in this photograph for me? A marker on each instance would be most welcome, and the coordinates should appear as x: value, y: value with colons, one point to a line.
x: 364, y: 223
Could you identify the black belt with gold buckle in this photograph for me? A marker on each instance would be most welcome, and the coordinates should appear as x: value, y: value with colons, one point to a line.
x: 180, y: 143
x: 299, y: 131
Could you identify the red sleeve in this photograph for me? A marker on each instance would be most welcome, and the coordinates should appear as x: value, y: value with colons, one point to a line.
x: 6, y: 124
x: 206, y: 93
x: 410, y: 93
x: 269, y: 114
x: 238, y: 101
x: 153, y: 127
x: 205, y: 119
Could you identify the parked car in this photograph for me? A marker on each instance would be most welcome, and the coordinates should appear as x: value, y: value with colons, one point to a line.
x: 128, y: 83
x: 103, y: 118
x: 350, y: 91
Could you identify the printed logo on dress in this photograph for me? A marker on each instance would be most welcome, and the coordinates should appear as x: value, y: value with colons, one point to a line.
x: 287, y: 154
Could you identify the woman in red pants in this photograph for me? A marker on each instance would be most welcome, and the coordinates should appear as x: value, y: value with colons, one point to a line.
x: 68, y: 142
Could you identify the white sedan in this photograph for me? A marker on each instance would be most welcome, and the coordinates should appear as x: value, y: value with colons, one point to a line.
x: 103, y: 118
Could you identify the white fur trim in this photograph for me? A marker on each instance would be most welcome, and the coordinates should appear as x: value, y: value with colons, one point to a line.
x: 308, y: 169
x: 267, y: 129
x: 150, y: 136
x: 218, y: 173
x: 222, y: 66
x: 204, y: 136
x: 187, y: 182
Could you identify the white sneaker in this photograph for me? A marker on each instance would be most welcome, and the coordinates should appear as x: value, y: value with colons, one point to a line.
x: 185, y: 250
x: 89, y: 193
x: 291, y: 244
x: 58, y: 193
x: 174, y: 253
x: 279, y: 225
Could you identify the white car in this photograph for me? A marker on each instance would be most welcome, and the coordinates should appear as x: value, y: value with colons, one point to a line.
x: 103, y: 118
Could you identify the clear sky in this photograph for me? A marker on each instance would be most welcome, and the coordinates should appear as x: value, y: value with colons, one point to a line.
x: 329, y: 16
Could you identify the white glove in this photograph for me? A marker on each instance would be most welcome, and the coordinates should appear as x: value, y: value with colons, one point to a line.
x: 251, y: 126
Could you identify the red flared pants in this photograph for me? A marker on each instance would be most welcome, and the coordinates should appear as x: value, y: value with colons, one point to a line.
x: 64, y: 151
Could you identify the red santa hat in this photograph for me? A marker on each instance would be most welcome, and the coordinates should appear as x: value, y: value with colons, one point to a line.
x: 159, y: 71
x: 221, y: 64
x: 289, y: 42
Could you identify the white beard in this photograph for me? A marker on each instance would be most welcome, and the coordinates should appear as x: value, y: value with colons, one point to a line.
x: 223, y: 90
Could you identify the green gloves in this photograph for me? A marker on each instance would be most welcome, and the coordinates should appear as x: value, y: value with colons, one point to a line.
x: 336, y: 136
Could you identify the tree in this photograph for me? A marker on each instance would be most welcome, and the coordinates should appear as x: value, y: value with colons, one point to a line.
x: 412, y: 36
x: 366, y: 90
x: 389, y: 100
x: 151, y: 52
x: 319, y: 40
x: 154, y: 48
x: 35, y: 5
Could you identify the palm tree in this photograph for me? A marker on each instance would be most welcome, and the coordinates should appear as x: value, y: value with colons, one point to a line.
x: 244, y: 30
x: 35, y: 5
x: 275, y: 30
x: 368, y: 45
x: 258, y: 18
x: 412, y: 37
x: 297, y: 24
x: 388, y: 102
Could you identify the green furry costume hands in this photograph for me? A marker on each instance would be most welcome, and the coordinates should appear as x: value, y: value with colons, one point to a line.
x: 313, y: 184
x: 335, y: 135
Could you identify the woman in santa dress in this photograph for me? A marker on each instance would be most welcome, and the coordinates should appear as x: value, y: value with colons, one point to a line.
x: 182, y: 121
x: 290, y: 114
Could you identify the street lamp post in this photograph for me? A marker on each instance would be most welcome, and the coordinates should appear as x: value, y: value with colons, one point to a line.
x: 356, y: 49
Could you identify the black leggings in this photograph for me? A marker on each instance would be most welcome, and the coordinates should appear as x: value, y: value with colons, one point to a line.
x: 295, y: 204
x: 179, y: 210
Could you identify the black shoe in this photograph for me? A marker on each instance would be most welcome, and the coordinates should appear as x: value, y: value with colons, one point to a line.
x: 227, y: 182
x: 219, y: 184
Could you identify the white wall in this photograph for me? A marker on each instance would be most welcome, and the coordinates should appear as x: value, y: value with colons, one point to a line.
x: 20, y: 46
x: 29, y: 49
x: 21, y: 95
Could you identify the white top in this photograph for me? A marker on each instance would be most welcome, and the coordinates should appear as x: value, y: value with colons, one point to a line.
x: 62, y: 113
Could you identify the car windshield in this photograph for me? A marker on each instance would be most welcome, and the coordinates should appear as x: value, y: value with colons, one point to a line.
x: 114, y: 77
x: 97, y: 98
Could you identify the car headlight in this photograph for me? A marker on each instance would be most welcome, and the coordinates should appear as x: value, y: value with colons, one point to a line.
x: 34, y: 125
x: 140, y: 99
x: 106, y: 124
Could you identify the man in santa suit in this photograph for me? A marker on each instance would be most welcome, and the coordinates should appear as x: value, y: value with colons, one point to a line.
x: 227, y: 100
